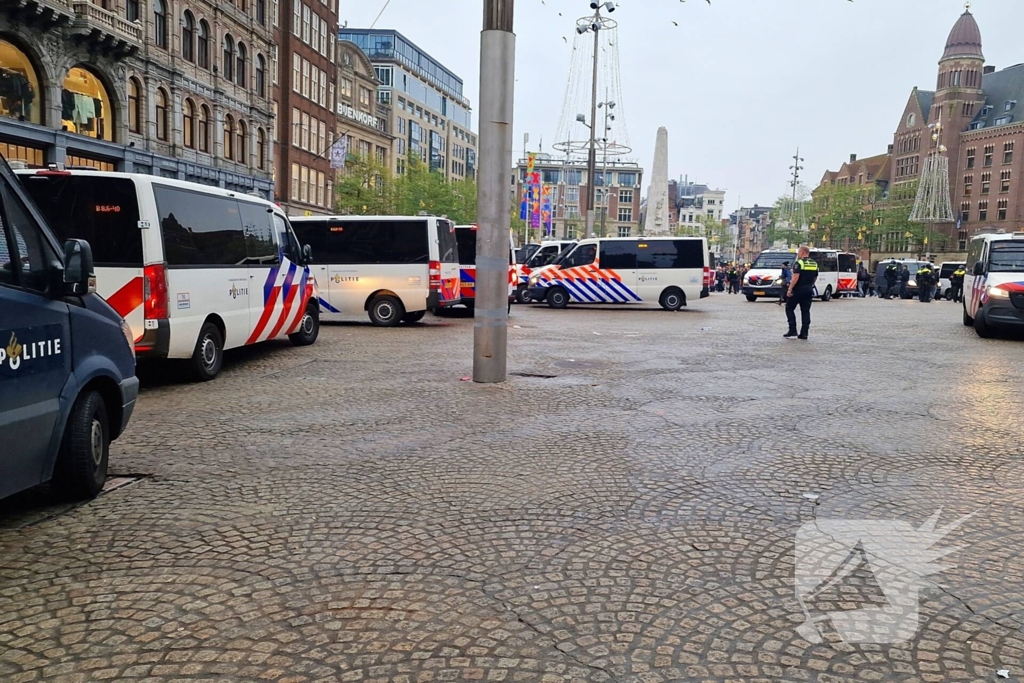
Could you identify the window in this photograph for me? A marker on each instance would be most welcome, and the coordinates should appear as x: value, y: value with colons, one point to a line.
x: 989, y: 151
x: 188, y: 29
x: 625, y: 196
x: 24, y: 256
x: 323, y: 138
x: 296, y: 72
x: 364, y: 97
x: 911, y: 120
x: 303, y: 184
x: 323, y: 89
x: 304, y: 140
x: 323, y: 38
x: 618, y: 255
x: 1004, y: 181
x: 965, y: 211
x: 70, y: 203
x: 134, y: 106
x: 204, y: 129
x: 242, y: 146
x: 320, y: 188
x: 955, y: 78
x: 229, y: 136
x: 199, y: 228
x: 203, y: 45
x: 261, y: 76
x: 132, y: 10
x: 625, y: 179
x: 240, y: 68
x: 625, y: 214
x: 189, y: 121
x: 297, y: 18
x: 305, y: 78
x: 229, y: 57
x: 983, y: 210
x: 160, y: 23
x: 1003, y: 120
x: 295, y: 183
x: 305, y: 24
x: 261, y: 149
x: 367, y: 241
x: 161, y: 114
x: 258, y: 229
x: 624, y: 231
x: 1008, y: 153
x: 986, y: 182
x: 582, y: 255
x: 346, y: 88
x: 261, y: 12
x: 679, y: 253
x: 1003, y: 204
x: 970, y: 157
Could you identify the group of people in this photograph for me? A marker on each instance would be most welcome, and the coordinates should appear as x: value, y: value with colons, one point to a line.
x: 897, y: 281
x: 729, y: 278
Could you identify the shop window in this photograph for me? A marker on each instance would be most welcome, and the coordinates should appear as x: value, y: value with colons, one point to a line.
x: 134, y: 106
x: 30, y: 156
x: 86, y: 162
x: 19, y: 85
x: 85, y: 105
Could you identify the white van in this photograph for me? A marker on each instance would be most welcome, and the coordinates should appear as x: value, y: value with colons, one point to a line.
x: 994, y: 284
x: 193, y: 269
x: 671, y: 271
x: 764, y: 279
x: 543, y: 256
x: 393, y: 268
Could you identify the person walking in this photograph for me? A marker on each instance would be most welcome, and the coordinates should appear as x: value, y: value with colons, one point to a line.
x: 787, y: 277
x: 904, y: 281
x: 863, y: 278
x: 956, y: 284
x: 800, y: 293
x: 924, y: 283
x: 891, y: 275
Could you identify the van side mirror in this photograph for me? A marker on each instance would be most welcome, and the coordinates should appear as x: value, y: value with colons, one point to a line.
x: 307, y: 253
x: 979, y: 269
x: 79, y: 274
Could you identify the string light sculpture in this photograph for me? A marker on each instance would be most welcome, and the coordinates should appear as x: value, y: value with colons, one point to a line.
x: 933, y: 204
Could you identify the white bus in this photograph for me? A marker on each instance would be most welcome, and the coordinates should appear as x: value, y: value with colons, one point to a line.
x: 392, y: 268
x: 994, y: 284
x: 193, y: 269
x: 671, y: 271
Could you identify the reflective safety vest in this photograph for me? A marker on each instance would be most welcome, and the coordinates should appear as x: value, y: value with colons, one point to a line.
x: 808, y: 265
x: 960, y: 273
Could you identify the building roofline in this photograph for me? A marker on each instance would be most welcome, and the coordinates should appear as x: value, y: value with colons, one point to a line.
x: 394, y: 32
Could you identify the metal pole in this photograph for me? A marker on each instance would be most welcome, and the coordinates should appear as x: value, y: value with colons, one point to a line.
x: 497, y: 95
x: 604, y: 167
x: 592, y: 156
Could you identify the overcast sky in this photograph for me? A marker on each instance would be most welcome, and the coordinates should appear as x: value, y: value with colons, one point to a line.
x: 739, y: 84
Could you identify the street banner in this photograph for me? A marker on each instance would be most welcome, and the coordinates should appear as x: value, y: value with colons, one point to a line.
x: 339, y: 152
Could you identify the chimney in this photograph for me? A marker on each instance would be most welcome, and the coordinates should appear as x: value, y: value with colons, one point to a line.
x: 988, y: 70
x: 890, y: 149
x: 853, y: 158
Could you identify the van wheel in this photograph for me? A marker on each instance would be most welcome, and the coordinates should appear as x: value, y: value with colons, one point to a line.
x: 968, y: 320
x: 208, y: 356
x: 522, y: 295
x: 309, y: 328
x: 386, y: 311
x: 558, y: 297
x: 828, y: 294
x: 413, y: 317
x: 81, y: 468
x: 982, y: 327
x: 671, y: 299
x: 751, y: 298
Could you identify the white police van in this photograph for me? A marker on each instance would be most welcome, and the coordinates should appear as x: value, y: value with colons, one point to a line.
x: 194, y: 269
x: 671, y: 271
x: 994, y: 284
x: 393, y: 268
x: 67, y: 370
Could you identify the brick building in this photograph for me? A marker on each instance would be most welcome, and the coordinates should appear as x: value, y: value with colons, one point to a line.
x: 304, y: 93
x: 172, y: 89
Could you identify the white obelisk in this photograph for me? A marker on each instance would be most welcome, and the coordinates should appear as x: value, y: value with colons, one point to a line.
x: 656, y: 222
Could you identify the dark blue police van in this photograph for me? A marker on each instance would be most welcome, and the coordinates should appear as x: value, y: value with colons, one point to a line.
x: 67, y: 363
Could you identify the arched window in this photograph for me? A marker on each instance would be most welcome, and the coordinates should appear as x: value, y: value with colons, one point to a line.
x: 261, y: 149
x: 134, y: 106
x: 229, y: 136
x: 204, y: 129
x: 261, y: 12
x: 86, y: 107
x: 229, y: 58
x: 161, y: 114
x: 240, y: 68
x: 241, y: 146
x: 189, y: 127
x: 188, y: 34
x: 160, y: 23
x: 203, y: 45
x: 261, y: 76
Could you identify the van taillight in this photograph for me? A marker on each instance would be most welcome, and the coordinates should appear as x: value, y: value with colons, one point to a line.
x: 707, y: 276
x: 154, y: 292
x: 435, y: 275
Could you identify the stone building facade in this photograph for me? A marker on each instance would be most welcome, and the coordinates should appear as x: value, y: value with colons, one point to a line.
x: 361, y: 116
x: 168, y: 87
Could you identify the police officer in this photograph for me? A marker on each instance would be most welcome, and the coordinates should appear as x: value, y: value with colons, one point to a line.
x: 924, y: 283
x: 956, y: 283
x: 891, y: 275
x: 801, y: 292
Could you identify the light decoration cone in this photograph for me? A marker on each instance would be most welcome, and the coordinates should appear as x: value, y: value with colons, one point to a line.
x: 933, y: 204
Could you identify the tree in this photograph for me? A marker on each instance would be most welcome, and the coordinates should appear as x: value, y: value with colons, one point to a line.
x: 364, y: 188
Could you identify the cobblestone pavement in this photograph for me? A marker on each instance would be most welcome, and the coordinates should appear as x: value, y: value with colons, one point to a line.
x: 623, y: 509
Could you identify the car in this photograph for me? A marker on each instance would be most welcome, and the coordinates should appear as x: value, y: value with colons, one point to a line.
x: 994, y: 285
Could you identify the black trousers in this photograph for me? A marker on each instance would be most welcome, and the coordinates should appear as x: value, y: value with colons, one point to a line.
x: 924, y: 292
x: 802, y: 297
x: 957, y: 292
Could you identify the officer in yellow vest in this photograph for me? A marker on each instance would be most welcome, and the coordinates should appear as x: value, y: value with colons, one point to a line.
x: 801, y: 292
x: 956, y: 284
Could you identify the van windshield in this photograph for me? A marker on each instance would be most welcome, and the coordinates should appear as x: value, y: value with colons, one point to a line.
x: 104, y: 211
x: 773, y: 261
x: 1006, y: 257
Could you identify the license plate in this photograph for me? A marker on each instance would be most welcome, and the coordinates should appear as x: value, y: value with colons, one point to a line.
x: 758, y: 293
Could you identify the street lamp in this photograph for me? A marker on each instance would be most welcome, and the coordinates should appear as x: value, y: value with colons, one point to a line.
x: 596, y: 23
x: 607, y: 106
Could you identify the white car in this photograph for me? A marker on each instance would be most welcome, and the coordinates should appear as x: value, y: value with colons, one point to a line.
x: 994, y: 284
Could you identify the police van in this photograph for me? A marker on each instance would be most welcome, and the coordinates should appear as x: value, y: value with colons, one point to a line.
x: 671, y: 271
x: 546, y: 254
x: 764, y: 279
x: 994, y: 284
x: 466, y: 235
x: 194, y: 269
x: 67, y: 370
x: 392, y: 268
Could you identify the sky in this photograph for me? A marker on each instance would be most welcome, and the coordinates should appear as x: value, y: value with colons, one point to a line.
x: 739, y: 84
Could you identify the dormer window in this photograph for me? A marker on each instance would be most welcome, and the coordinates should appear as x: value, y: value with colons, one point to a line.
x: 1003, y: 120
x: 911, y: 119
x: 1010, y: 104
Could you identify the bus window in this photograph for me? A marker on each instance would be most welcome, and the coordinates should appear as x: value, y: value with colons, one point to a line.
x: 656, y: 254
x: 618, y: 255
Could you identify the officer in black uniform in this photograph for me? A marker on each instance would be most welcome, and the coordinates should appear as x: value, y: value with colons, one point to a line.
x: 801, y: 292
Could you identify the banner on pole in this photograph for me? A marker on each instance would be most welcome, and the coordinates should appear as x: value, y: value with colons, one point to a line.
x: 339, y: 152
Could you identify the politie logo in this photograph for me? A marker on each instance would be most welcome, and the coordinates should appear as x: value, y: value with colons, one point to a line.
x: 236, y: 291
x: 887, y: 562
x: 30, y: 349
